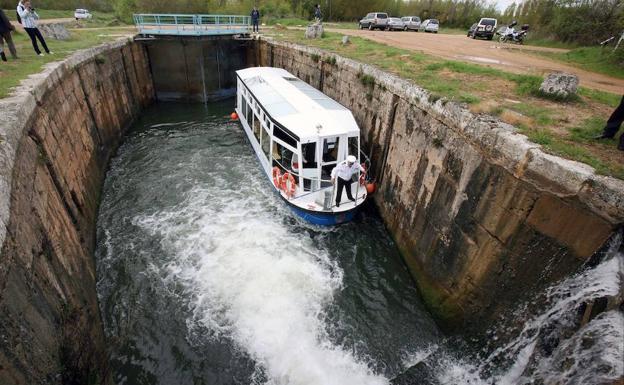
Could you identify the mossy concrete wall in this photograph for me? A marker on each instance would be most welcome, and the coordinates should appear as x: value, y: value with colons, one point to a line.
x: 57, y: 132
x: 483, y: 216
x: 197, y: 69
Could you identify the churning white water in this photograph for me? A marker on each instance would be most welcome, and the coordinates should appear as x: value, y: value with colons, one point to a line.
x: 205, y: 277
x: 258, y: 283
x: 551, y: 347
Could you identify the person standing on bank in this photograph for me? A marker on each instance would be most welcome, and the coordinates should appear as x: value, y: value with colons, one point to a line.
x: 29, y: 21
x: 5, y: 35
x: 613, y: 125
x: 255, y: 19
x: 317, y: 13
x: 342, y: 174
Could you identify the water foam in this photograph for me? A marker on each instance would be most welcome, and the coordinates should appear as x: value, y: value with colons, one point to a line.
x: 551, y: 347
x: 253, y: 280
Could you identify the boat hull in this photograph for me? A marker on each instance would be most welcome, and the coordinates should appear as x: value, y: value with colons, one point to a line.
x: 323, y: 218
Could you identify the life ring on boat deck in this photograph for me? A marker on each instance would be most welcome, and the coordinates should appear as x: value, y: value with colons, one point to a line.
x: 289, y: 185
x: 363, y: 175
x: 277, y: 177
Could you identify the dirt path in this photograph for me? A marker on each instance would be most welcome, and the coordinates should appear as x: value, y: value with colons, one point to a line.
x: 508, y: 57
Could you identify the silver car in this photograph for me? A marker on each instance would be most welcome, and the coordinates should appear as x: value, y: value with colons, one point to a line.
x: 374, y: 20
x: 430, y: 25
x: 412, y: 23
x: 395, y: 24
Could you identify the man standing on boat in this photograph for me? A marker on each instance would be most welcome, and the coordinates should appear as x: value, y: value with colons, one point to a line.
x: 343, y: 173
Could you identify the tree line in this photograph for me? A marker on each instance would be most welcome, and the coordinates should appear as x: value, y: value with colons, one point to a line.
x: 579, y: 21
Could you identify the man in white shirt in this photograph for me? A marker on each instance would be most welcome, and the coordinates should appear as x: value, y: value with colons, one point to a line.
x: 29, y: 19
x: 342, y: 174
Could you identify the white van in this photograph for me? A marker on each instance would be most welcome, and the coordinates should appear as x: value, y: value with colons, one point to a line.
x: 82, y: 14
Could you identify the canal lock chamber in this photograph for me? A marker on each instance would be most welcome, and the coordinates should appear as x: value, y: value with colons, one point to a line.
x: 203, y: 276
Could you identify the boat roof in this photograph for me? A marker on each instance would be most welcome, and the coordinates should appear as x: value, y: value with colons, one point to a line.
x: 297, y: 105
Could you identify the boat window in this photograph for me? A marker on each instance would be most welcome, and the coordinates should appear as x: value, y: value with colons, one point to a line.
x: 283, y: 158
x: 256, y: 127
x: 283, y: 135
x: 330, y: 149
x: 309, y: 155
x: 354, y: 148
x: 243, y: 108
x: 266, y: 143
x: 249, y: 114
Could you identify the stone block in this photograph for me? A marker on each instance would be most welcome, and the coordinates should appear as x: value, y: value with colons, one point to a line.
x: 314, y: 31
x: 560, y: 85
x: 570, y: 225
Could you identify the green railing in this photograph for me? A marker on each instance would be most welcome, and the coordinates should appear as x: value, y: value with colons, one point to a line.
x: 192, y: 25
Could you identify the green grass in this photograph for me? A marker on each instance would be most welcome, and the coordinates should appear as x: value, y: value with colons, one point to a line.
x: 542, y: 116
x: 611, y: 100
x: 586, y: 133
x: 594, y: 59
x: 453, y: 31
x: 571, y: 150
x: 548, y: 43
x: 12, y: 72
x: 287, y: 21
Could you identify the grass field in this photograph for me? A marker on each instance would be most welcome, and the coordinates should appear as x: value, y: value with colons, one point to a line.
x: 28, y: 63
x: 562, y: 128
x: 596, y: 59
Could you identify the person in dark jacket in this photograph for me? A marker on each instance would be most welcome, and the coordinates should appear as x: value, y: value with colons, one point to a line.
x: 255, y: 19
x: 317, y: 13
x: 613, y: 125
x: 5, y: 35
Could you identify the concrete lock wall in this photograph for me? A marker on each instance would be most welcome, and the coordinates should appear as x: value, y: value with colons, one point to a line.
x: 57, y: 132
x: 483, y: 217
x: 197, y: 69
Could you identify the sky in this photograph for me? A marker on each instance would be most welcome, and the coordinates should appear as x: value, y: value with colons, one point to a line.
x: 502, y: 4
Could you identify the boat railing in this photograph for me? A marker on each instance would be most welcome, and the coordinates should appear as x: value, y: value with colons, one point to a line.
x: 319, y: 181
x: 185, y: 24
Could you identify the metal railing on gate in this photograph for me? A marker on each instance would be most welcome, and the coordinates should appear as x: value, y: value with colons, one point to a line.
x: 192, y: 25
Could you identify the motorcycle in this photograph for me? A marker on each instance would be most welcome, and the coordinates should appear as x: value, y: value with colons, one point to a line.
x: 509, y: 34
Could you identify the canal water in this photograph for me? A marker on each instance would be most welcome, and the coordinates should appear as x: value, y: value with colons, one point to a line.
x: 206, y: 277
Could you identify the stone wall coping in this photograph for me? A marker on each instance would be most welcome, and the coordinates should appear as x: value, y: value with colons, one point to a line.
x: 17, y: 109
x: 500, y: 143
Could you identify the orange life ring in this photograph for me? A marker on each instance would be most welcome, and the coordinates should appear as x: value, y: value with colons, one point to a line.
x: 277, y: 177
x: 289, y: 185
x: 363, y: 175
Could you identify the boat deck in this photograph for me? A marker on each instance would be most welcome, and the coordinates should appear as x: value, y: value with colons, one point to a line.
x: 310, y: 201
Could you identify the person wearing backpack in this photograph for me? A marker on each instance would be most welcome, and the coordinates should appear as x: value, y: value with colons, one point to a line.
x: 5, y: 35
x: 29, y: 19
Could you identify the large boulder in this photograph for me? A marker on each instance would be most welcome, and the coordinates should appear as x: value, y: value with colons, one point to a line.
x: 560, y: 85
x: 314, y: 31
x: 54, y: 31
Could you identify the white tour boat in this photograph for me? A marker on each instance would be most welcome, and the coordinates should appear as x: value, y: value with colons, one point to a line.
x: 299, y: 135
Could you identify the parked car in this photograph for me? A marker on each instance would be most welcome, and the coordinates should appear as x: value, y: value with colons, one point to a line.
x: 412, y: 23
x: 486, y: 27
x: 374, y: 20
x: 82, y: 14
x: 430, y: 25
x: 395, y: 24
